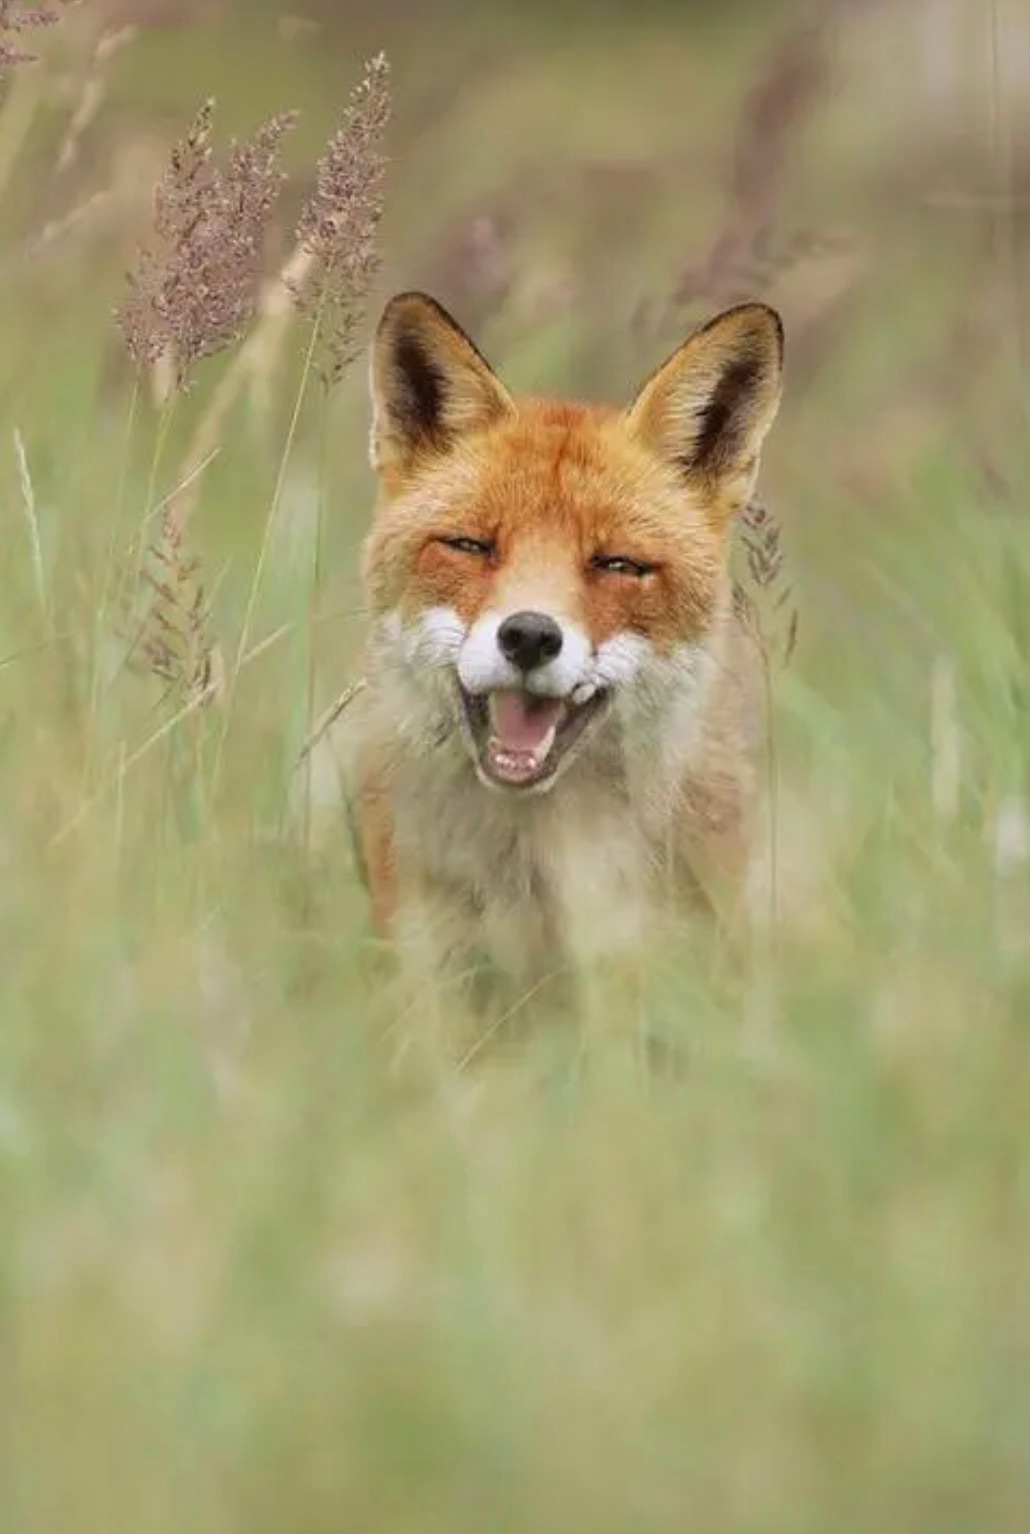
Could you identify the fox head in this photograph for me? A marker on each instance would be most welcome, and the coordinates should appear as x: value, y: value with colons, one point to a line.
x: 541, y: 573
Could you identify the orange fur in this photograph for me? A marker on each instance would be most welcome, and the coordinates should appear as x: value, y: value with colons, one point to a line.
x: 544, y: 495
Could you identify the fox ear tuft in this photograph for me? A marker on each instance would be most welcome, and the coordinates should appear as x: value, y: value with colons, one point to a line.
x: 429, y: 384
x: 707, y: 409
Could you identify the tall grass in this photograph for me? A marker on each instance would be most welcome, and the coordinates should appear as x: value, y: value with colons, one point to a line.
x: 273, y: 1255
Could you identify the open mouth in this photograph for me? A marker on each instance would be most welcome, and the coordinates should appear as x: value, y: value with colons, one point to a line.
x: 520, y: 740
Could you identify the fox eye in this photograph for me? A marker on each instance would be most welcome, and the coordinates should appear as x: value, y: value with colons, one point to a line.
x: 482, y: 547
x: 621, y: 564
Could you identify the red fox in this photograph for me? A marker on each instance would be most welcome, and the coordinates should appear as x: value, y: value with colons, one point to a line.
x: 556, y: 745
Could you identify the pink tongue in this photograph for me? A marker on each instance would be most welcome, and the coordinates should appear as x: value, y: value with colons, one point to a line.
x: 521, y: 721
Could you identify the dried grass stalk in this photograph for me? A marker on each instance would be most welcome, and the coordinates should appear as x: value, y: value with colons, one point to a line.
x: 748, y: 254
x: 94, y: 92
x: 195, y: 291
x: 16, y: 18
x: 173, y: 638
x: 338, y: 226
x: 768, y: 589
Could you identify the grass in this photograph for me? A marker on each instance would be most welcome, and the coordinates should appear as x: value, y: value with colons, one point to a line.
x: 270, y: 1257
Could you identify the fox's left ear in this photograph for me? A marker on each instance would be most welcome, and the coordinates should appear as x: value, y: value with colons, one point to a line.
x: 707, y: 410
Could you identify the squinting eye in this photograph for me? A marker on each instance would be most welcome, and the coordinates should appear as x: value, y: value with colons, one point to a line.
x: 620, y: 564
x: 483, y: 547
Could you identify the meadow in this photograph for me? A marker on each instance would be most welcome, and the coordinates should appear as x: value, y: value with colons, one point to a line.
x: 273, y: 1254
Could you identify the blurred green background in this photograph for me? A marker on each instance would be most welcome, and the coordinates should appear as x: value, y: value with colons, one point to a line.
x: 272, y: 1255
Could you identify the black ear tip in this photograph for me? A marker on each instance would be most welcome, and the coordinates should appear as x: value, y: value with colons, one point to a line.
x: 411, y: 308
x: 762, y: 320
x: 775, y: 319
x: 769, y: 319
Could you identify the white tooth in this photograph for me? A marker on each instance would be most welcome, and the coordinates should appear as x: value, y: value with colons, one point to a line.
x: 542, y: 751
x: 583, y: 693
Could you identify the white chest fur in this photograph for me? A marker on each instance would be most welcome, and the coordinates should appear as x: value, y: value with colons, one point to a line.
x: 523, y: 883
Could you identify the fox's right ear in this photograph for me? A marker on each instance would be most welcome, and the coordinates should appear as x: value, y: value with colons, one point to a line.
x: 429, y: 384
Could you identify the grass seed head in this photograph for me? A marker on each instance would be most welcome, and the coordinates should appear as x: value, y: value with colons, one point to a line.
x: 17, y: 18
x: 195, y: 289
x: 339, y: 224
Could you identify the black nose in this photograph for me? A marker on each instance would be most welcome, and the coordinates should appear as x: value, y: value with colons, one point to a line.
x: 529, y: 640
